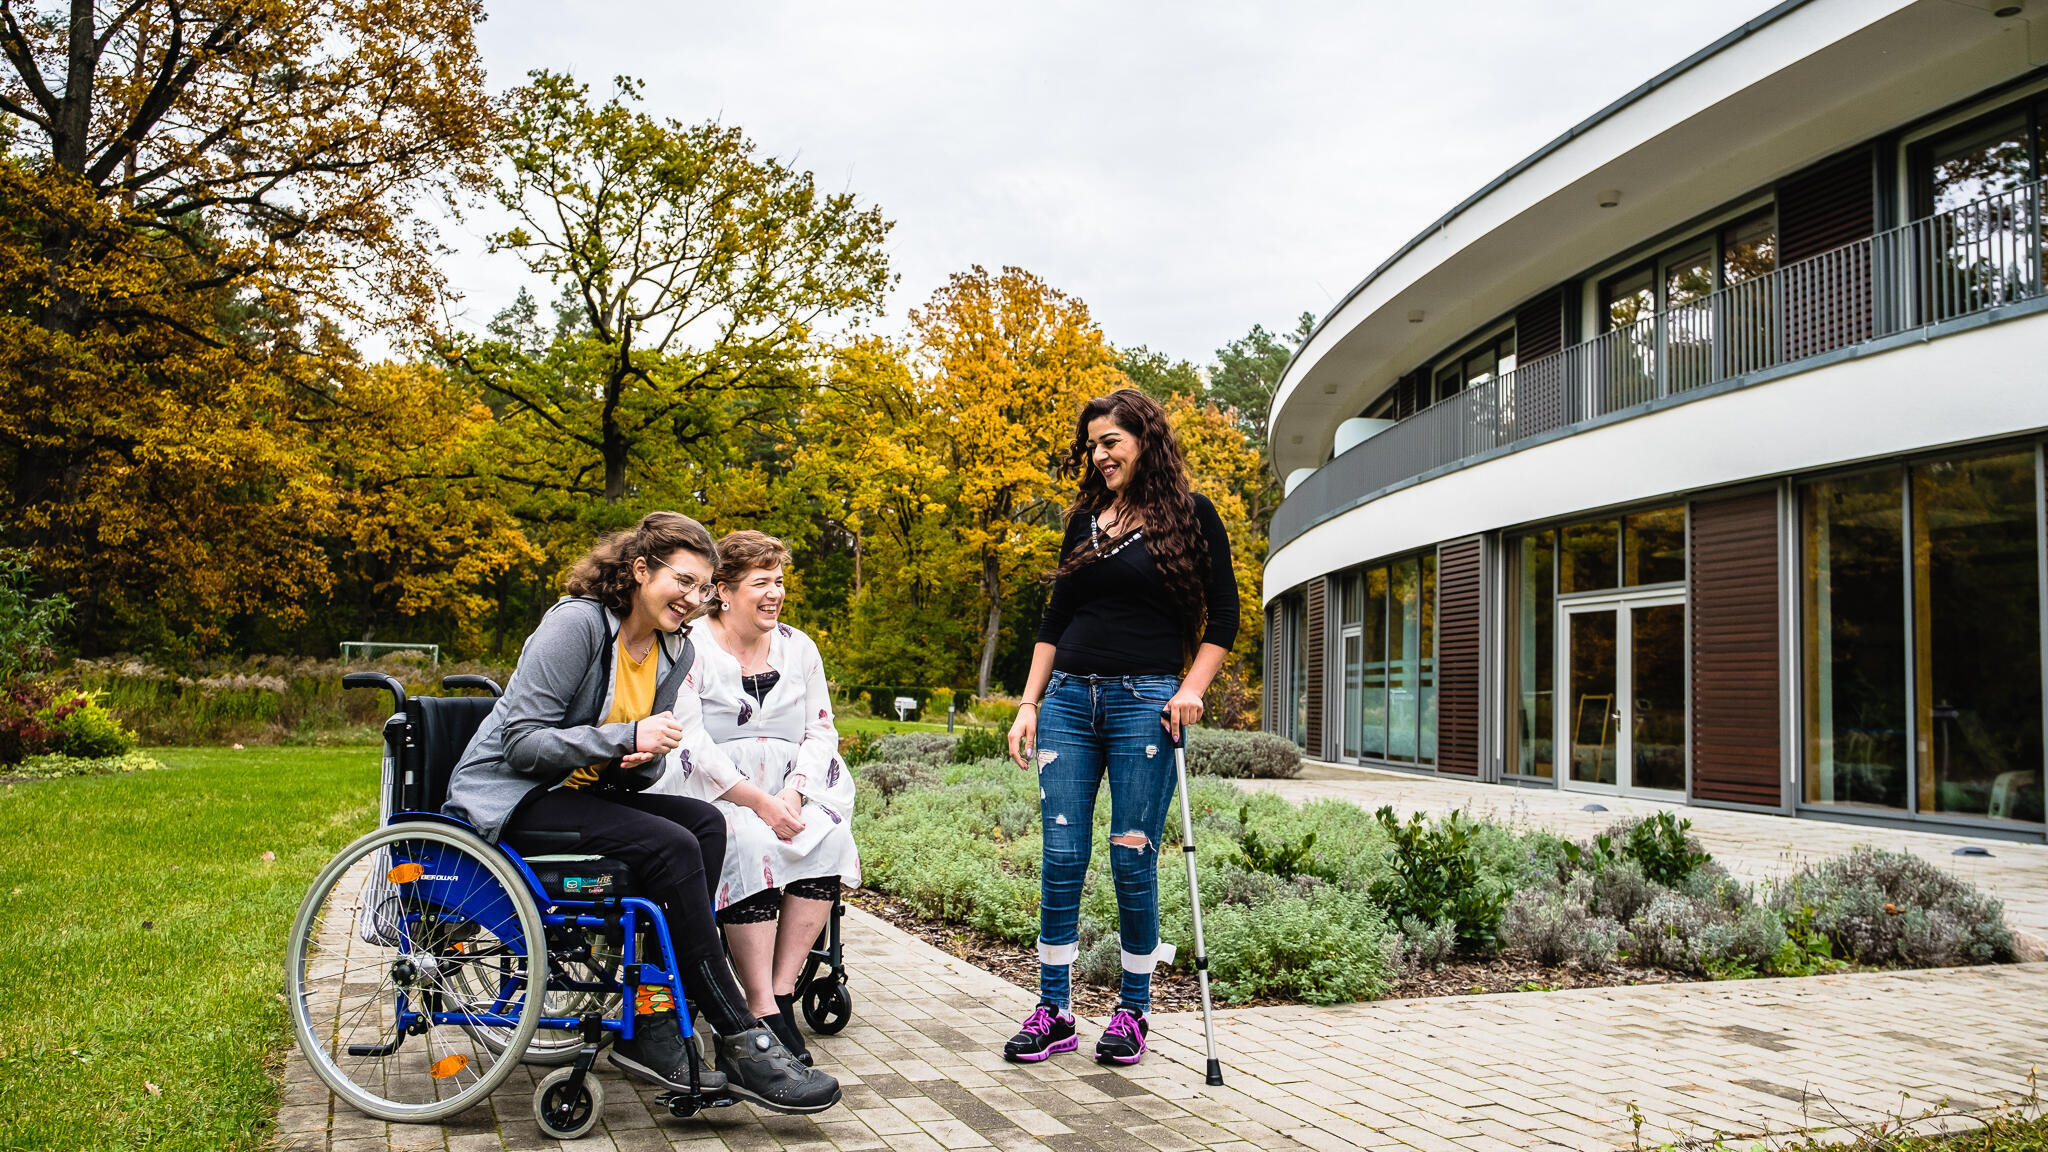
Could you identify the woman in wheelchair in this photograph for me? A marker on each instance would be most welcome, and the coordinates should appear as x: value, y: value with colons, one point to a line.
x: 602, y: 703
x: 765, y: 701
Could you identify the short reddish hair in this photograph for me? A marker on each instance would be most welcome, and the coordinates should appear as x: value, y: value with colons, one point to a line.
x: 742, y: 552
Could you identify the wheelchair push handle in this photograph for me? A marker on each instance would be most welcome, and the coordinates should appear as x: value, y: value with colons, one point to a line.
x: 375, y: 680
x: 463, y: 680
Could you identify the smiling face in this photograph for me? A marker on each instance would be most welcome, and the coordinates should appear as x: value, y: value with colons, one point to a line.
x: 754, y: 600
x: 672, y: 589
x: 1113, y: 451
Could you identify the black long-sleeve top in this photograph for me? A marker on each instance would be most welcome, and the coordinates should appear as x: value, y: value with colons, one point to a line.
x: 1115, y: 617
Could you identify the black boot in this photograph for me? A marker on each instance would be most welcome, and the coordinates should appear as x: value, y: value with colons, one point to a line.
x: 758, y: 1068
x: 657, y: 1053
x: 784, y: 1023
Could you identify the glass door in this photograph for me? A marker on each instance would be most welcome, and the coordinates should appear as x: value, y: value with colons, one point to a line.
x: 1622, y: 725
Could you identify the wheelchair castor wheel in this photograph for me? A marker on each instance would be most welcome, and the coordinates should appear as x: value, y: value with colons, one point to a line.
x: 828, y: 1006
x: 565, y: 1112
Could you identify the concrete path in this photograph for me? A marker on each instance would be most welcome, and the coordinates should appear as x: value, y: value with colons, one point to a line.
x: 1556, y: 1070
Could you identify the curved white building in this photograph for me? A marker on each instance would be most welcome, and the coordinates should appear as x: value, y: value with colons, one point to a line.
x: 1699, y: 456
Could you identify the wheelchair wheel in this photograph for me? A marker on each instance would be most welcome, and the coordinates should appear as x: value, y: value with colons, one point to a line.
x: 828, y: 1006
x: 410, y: 940
x: 564, y: 1113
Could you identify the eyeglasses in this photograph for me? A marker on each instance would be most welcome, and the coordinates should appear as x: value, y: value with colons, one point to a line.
x: 688, y: 584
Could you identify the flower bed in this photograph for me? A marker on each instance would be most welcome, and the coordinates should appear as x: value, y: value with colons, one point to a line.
x: 1326, y: 903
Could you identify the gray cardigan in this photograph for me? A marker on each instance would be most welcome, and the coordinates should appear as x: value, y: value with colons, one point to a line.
x: 546, y: 725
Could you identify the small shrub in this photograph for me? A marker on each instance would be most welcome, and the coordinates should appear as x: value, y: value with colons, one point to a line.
x: 1619, y: 891
x: 1103, y: 963
x: 1425, y: 947
x: 1667, y: 933
x: 1279, y: 856
x: 24, y: 725
x: 857, y: 749
x: 1328, y: 947
x: 52, y: 767
x: 932, y: 749
x: 1241, y: 755
x: 997, y: 710
x: 82, y: 727
x: 890, y: 778
x: 28, y: 623
x: 1555, y: 927
x: 1661, y: 847
x: 1885, y: 908
x: 1436, y: 877
x: 980, y: 744
x: 1743, y: 946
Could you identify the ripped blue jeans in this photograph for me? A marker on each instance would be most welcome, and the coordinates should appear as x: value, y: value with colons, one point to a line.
x: 1089, y: 724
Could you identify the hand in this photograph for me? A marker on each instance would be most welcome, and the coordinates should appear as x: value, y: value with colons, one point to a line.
x: 1185, y: 708
x: 782, y: 818
x: 1024, y: 736
x: 635, y: 759
x: 659, y: 734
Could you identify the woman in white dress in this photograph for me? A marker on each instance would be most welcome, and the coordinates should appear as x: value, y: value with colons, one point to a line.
x: 765, y: 701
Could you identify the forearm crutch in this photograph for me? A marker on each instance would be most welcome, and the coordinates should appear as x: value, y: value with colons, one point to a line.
x: 1187, y: 848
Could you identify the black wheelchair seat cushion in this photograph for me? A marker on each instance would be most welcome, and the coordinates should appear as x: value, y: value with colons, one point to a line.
x: 577, y: 877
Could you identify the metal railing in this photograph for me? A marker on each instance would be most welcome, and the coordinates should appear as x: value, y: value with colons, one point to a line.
x: 1973, y: 258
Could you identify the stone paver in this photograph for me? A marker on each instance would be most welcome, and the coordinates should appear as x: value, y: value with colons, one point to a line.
x: 1548, y: 1071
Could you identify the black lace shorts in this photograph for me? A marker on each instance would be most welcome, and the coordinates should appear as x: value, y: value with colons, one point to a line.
x: 766, y: 905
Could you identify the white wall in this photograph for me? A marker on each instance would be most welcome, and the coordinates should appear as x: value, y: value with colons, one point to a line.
x: 1972, y: 385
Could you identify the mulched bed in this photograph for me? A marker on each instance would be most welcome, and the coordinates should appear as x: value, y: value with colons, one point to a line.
x: 1177, y: 991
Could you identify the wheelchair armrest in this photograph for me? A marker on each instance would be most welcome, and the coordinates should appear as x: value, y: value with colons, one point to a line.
x: 471, y: 680
x: 377, y: 680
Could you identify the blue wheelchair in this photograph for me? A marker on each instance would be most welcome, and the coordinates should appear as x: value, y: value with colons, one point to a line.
x: 426, y: 966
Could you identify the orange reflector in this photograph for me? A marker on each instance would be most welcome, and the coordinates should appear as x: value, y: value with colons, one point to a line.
x: 406, y: 873
x: 448, y: 1066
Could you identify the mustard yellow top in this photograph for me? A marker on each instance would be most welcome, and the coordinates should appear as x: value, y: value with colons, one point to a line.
x: 632, y: 699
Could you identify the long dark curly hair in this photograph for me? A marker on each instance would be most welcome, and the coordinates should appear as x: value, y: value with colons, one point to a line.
x: 605, y: 573
x: 1158, y: 494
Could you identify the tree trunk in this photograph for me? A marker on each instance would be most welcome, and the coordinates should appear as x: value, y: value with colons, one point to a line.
x: 992, y: 588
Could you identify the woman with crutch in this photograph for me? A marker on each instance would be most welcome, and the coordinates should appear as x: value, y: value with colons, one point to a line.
x: 1143, y: 591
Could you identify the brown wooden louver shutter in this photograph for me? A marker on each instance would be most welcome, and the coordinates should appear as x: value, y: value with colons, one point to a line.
x: 1457, y: 658
x: 1312, y: 645
x: 1733, y: 577
x: 1539, y: 327
x: 1411, y: 393
x: 1827, y: 302
x: 1274, y: 618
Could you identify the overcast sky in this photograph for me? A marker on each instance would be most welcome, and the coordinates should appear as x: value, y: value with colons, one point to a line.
x: 1185, y: 168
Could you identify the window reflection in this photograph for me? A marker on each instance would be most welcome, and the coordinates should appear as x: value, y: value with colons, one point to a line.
x: 1976, y: 161
x: 1532, y: 661
x: 1855, y: 640
x: 1653, y: 550
x: 1977, y: 634
x: 1389, y: 640
x: 1591, y: 557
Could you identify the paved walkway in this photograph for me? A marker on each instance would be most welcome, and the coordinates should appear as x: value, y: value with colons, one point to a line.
x: 1548, y: 1071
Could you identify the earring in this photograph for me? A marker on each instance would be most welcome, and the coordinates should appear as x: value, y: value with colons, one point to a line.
x: 724, y: 607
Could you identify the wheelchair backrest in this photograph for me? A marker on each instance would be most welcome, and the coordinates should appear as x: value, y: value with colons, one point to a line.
x: 422, y: 745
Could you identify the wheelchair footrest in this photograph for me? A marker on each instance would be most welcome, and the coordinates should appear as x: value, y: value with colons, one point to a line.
x: 685, y: 1105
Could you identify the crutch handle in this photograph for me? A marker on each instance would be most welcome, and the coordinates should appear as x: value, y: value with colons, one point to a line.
x: 1178, y: 736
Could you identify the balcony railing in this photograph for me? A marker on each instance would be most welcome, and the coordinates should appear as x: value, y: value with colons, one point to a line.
x: 1977, y: 257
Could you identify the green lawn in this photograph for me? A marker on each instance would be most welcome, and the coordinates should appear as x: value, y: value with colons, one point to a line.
x: 142, y: 938
x: 875, y: 726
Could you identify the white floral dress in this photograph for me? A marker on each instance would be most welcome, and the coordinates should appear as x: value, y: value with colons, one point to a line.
x: 785, y: 740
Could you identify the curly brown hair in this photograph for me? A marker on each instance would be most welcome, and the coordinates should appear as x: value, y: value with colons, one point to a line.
x: 1158, y: 493
x: 605, y: 573
x: 740, y: 553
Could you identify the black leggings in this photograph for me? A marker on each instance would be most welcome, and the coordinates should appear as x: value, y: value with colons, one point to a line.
x: 676, y: 848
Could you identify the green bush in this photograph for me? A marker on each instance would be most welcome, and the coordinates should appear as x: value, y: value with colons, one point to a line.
x: 980, y: 744
x: 83, y: 727
x: 28, y: 623
x: 891, y: 778
x: 931, y: 749
x: 1557, y: 926
x: 859, y: 748
x: 1661, y: 847
x: 1241, y: 755
x: 1437, y: 878
x: 52, y: 767
x: 1327, y: 947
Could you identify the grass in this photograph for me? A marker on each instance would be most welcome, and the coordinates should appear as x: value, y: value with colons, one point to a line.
x: 876, y: 726
x: 142, y: 937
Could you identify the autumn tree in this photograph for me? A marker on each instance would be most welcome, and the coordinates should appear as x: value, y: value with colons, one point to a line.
x: 695, y: 277
x: 1010, y: 361
x: 193, y: 193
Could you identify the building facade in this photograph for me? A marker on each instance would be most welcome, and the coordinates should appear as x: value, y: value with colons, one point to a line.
x: 1699, y: 457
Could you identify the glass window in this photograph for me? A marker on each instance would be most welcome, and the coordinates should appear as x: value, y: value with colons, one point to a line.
x: 1591, y: 558
x: 1425, y: 651
x: 1975, y: 161
x: 1749, y: 248
x: 1352, y: 609
x: 1653, y: 547
x: 1689, y: 275
x: 1295, y: 706
x: 1854, y: 601
x: 1404, y: 579
x: 1977, y: 636
x: 1450, y: 380
x: 1482, y: 365
x: 1372, y: 715
x: 1532, y: 662
x: 1628, y: 298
